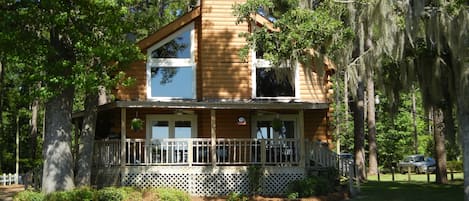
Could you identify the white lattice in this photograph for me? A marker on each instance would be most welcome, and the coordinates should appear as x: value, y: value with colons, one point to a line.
x: 210, y: 181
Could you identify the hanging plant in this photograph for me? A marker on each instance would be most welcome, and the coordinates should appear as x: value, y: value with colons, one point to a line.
x: 277, y: 124
x: 136, y: 124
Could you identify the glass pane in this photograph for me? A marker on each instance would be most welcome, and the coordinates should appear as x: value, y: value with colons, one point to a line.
x: 160, y: 130
x: 179, y: 47
x: 264, y: 130
x: 182, y: 129
x: 288, y: 130
x: 274, y: 82
x: 172, y: 82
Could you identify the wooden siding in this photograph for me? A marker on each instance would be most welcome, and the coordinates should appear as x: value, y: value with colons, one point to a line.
x: 226, y: 124
x: 220, y: 72
x: 224, y: 74
x: 316, y: 126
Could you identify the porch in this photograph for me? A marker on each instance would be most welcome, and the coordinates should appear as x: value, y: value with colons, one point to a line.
x: 197, y: 152
x: 202, y: 166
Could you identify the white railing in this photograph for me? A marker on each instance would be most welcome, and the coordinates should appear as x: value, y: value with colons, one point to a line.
x: 323, y: 156
x: 198, y: 151
x: 8, y: 179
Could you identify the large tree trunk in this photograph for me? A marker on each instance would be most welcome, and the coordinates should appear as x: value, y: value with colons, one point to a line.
x: 414, y: 122
x: 440, y: 152
x: 372, y: 148
x: 86, y: 142
x: 359, y: 132
x: 58, y: 159
x: 463, y: 117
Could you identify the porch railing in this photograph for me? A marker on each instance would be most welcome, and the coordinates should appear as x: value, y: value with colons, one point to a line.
x: 198, y: 151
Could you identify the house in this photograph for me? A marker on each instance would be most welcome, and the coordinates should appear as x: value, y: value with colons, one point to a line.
x: 199, y: 115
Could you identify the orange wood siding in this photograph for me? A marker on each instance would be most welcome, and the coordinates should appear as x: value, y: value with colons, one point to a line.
x: 137, y: 91
x: 224, y: 74
x: 316, y: 127
x: 312, y: 86
x: 226, y: 124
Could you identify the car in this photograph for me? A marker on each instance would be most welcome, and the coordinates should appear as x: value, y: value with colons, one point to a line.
x: 418, y: 163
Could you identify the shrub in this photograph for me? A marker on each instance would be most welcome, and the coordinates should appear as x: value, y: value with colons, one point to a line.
x: 29, y: 196
x: 455, y: 165
x: 170, y: 194
x: 313, y: 185
x: 236, y: 197
x: 79, y: 194
x: 110, y: 194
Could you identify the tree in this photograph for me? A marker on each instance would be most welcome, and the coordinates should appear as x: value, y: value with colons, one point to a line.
x: 77, y: 44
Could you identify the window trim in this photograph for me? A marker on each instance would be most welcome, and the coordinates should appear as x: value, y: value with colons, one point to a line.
x: 264, y: 63
x: 171, y: 118
x: 172, y: 62
x: 283, y: 117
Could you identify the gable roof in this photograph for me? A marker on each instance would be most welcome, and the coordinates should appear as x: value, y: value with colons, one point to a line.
x: 162, y: 33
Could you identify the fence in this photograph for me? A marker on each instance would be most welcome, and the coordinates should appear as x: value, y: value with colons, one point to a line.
x: 8, y: 179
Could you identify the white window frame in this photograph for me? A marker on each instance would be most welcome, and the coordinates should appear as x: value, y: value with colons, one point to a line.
x: 264, y: 63
x: 282, y: 117
x: 171, y: 118
x: 172, y: 62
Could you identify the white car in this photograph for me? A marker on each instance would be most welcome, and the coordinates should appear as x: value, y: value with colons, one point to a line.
x: 418, y: 163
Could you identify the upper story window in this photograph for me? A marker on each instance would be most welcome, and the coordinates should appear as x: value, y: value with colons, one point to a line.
x: 171, y: 66
x: 271, y: 82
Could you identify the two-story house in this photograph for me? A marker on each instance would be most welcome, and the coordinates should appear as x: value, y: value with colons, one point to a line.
x: 207, y: 114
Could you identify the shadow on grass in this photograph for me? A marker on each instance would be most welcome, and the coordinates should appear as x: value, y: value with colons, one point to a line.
x: 410, y: 191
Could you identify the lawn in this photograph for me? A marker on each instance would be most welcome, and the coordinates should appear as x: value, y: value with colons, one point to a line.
x: 416, y: 190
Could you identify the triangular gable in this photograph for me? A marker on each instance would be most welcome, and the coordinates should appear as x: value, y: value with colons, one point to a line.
x: 167, y: 30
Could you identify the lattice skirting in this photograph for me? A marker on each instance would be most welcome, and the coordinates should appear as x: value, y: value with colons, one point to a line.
x: 210, y: 181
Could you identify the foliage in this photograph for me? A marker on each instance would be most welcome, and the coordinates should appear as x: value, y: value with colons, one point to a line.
x: 310, y: 186
x: 110, y: 194
x: 171, y: 194
x: 455, y: 165
x: 233, y: 196
x: 303, y: 34
x: 256, y: 177
x: 29, y: 196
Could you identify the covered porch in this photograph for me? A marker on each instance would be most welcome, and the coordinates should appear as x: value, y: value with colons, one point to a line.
x: 218, y: 151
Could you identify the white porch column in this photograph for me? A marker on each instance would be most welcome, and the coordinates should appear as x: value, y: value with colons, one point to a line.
x: 123, y: 135
x: 302, y: 144
x: 213, y: 135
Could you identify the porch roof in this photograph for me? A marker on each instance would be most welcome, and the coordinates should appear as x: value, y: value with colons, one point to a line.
x: 251, y: 104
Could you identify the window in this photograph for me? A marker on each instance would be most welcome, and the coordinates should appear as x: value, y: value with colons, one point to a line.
x: 264, y: 128
x: 270, y: 82
x: 171, y: 67
x: 171, y: 126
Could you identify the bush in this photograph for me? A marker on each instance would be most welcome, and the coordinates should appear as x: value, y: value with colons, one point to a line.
x: 170, y: 194
x: 29, y: 196
x: 110, y: 194
x: 455, y: 166
x: 79, y: 194
x: 322, y: 184
x: 236, y: 197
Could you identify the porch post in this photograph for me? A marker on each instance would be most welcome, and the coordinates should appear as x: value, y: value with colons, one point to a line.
x: 302, y: 144
x: 123, y: 135
x: 213, y: 134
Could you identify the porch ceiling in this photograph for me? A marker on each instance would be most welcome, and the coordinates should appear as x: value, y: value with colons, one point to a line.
x: 255, y: 105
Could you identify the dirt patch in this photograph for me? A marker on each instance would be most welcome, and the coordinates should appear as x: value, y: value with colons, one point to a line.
x: 7, y: 192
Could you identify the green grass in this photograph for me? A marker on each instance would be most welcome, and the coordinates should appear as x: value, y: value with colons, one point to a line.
x: 416, y: 190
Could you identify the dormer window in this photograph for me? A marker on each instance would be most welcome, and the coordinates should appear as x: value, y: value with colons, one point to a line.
x: 171, y: 66
x: 273, y: 82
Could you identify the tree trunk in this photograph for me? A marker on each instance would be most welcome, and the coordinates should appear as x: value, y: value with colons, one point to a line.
x: 58, y: 160
x: 34, y: 128
x: 440, y: 152
x: 463, y: 122
x: 359, y: 131
x: 414, y: 122
x: 86, y: 142
x: 2, y: 71
x: 372, y: 148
